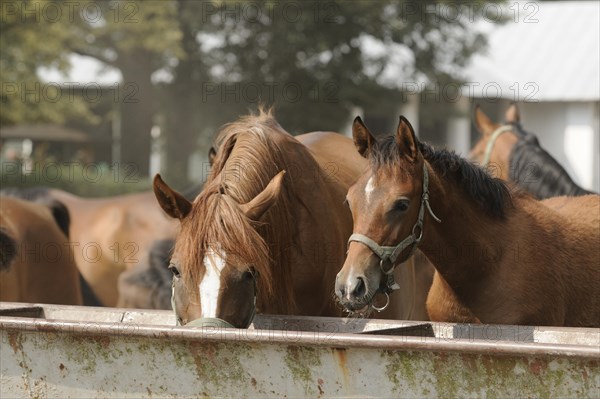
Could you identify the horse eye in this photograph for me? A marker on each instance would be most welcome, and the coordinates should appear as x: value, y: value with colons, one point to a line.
x: 174, y: 270
x: 249, y: 275
x: 401, y: 205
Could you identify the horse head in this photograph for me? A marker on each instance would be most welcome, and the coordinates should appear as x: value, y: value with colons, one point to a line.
x: 387, y: 204
x: 496, y: 142
x: 218, y: 253
x: 512, y: 154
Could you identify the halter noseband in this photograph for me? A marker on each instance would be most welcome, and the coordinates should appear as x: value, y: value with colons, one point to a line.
x: 391, y: 253
x: 490, y: 145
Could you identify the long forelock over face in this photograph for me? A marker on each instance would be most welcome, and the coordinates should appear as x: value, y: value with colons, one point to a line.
x: 217, y: 225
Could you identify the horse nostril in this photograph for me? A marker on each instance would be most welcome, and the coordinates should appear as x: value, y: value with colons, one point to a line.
x: 361, y: 289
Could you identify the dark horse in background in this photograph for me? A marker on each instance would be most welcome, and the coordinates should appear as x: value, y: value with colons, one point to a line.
x: 148, y: 286
x: 513, y: 154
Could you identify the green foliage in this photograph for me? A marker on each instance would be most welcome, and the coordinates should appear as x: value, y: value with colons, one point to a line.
x: 31, y: 40
x: 125, y: 31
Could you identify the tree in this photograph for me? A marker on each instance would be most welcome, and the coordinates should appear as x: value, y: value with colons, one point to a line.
x: 138, y: 38
x: 32, y: 37
x: 306, y: 58
x: 182, y: 96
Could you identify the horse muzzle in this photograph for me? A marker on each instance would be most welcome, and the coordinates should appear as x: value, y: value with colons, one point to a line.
x: 355, y: 289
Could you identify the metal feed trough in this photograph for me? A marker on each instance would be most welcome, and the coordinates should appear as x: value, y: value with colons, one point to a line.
x: 65, y: 351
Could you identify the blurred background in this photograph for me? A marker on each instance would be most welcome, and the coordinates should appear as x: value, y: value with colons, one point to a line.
x: 98, y: 96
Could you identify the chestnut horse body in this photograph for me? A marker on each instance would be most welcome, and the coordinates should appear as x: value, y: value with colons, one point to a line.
x: 36, y: 256
x: 501, y: 256
x: 269, y: 226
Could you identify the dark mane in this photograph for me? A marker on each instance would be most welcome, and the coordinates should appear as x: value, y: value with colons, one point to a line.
x: 537, y: 172
x: 491, y: 194
x: 250, y: 152
x: 8, y: 249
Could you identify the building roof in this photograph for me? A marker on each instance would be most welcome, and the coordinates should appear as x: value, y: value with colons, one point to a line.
x: 551, y: 50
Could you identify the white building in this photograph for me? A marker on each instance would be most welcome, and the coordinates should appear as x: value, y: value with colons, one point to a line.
x: 547, y: 58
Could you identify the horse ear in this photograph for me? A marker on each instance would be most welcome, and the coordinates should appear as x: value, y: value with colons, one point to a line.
x: 512, y: 114
x: 256, y: 207
x: 173, y: 203
x: 363, y: 139
x: 482, y: 122
x: 212, y: 153
x: 406, y: 139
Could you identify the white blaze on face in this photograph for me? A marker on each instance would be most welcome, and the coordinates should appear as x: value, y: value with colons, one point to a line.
x: 211, y: 283
x: 369, y: 189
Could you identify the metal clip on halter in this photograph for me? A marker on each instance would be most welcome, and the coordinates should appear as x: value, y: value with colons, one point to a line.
x: 381, y: 309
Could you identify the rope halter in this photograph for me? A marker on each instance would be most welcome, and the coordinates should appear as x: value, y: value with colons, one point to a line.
x: 390, y: 253
x: 490, y: 144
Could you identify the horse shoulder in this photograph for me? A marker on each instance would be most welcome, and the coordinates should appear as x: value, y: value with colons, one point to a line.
x: 444, y: 306
x: 581, y: 269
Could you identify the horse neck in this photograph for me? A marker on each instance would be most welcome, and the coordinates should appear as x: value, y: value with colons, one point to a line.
x: 537, y: 172
x: 463, y: 244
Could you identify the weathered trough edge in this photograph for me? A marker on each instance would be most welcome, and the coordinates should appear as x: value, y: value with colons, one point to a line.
x: 313, y: 339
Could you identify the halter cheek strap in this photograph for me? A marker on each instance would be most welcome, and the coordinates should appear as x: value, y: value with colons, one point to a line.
x: 490, y: 144
x: 391, y: 253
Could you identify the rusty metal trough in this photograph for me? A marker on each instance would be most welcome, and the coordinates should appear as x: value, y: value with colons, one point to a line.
x: 65, y: 351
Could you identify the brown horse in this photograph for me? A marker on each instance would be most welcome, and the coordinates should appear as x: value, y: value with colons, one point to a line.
x: 113, y: 234
x: 269, y: 227
x: 513, y: 154
x: 501, y: 256
x: 110, y: 235
x: 36, y: 257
